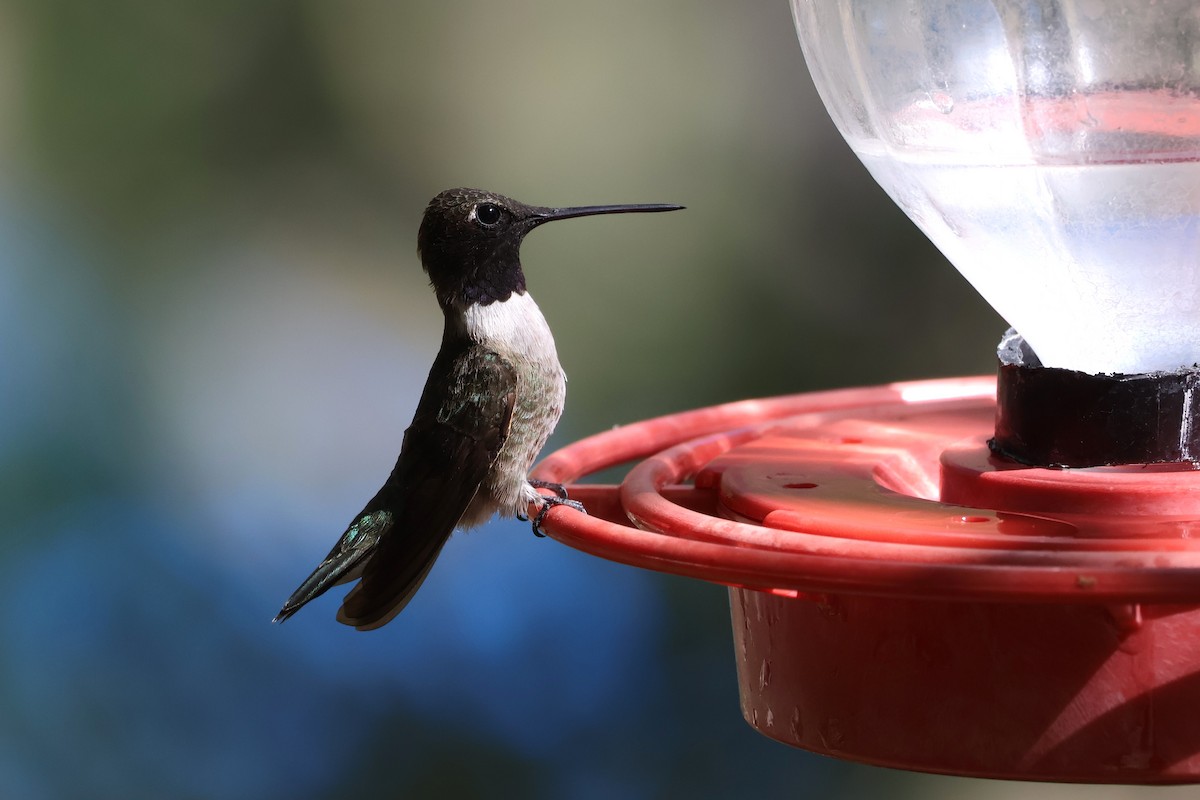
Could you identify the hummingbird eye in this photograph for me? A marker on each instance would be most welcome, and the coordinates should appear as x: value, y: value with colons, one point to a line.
x: 487, y: 213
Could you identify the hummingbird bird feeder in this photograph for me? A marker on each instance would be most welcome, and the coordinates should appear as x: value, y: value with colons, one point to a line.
x: 980, y: 576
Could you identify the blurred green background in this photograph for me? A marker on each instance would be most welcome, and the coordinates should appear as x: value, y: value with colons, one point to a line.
x: 214, y: 328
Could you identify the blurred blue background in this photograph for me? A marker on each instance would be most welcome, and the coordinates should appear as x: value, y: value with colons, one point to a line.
x: 214, y: 328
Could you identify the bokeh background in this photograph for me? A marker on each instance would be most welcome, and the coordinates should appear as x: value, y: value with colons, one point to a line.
x: 214, y: 328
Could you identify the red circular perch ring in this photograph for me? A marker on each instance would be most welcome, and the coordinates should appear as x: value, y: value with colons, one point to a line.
x: 901, y: 596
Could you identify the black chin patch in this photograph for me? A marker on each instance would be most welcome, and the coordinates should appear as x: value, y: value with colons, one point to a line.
x: 496, y: 286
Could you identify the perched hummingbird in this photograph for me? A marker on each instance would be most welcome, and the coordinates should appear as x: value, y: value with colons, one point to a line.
x: 493, y: 396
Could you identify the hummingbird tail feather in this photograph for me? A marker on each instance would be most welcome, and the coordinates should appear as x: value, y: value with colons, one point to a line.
x: 389, y: 613
x: 391, y: 579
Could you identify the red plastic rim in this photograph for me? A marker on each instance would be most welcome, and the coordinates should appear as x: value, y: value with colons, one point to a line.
x: 886, y: 490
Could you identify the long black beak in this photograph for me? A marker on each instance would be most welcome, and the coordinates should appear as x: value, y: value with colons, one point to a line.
x: 541, y: 215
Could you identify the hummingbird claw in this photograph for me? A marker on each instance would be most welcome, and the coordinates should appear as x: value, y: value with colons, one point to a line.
x: 549, y: 503
x: 557, y: 488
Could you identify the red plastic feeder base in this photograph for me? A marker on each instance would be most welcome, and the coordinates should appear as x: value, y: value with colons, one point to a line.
x: 902, y: 597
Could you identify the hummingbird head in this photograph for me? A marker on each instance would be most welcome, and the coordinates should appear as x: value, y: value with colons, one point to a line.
x: 470, y: 242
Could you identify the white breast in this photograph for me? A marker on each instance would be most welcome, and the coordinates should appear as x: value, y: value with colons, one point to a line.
x: 517, y: 331
x: 515, y: 328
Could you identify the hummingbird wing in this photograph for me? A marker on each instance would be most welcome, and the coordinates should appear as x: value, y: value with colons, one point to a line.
x: 461, y: 423
x: 345, y: 560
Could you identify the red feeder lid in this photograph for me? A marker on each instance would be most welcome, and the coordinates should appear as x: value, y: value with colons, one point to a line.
x: 887, y: 500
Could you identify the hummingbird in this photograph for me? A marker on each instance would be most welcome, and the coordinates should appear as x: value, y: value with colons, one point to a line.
x: 493, y: 396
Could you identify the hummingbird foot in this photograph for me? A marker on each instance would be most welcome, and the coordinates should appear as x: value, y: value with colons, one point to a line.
x: 549, y: 503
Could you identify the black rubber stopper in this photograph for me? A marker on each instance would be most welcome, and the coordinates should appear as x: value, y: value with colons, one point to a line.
x: 1051, y: 417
